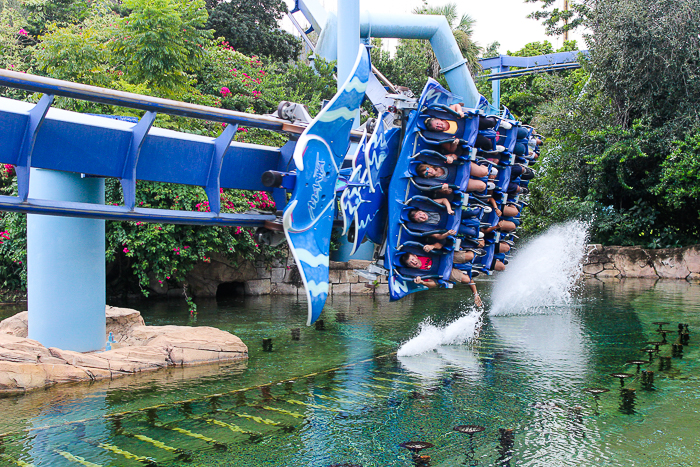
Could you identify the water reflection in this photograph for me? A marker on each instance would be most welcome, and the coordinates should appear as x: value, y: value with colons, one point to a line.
x: 332, y: 401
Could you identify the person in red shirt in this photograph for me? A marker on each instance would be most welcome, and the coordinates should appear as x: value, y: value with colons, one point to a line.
x: 424, y: 263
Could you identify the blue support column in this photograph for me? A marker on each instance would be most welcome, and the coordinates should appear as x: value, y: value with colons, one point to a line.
x: 348, y: 37
x: 348, y: 42
x: 496, y: 89
x: 66, y: 266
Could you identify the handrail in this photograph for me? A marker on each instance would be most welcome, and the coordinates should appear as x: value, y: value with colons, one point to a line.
x: 34, y: 83
x: 57, y: 87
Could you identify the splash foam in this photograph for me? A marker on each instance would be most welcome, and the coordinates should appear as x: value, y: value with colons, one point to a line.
x: 429, y: 337
x: 543, y: 274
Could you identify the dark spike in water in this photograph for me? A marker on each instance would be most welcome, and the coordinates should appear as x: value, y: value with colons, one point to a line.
x: 656, y: 344
x: 663, y: 333
x: 416, y: 446
x: 296, y: 334
x: 267, y: 344
x: 320, y: 326
x: 647, y: 379
x: 639, y: 363
x: 469, y: 429
x: 651, y: 353
x: 660, y: 324
x: 677, y: 350
x: 627, y: 400
x: 621, y: 376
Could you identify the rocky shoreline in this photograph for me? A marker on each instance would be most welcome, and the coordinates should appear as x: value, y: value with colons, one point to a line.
x: 25, y: 364
x: 633, y: 261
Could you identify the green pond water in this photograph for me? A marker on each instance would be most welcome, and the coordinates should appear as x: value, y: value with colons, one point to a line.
x: 342, y: 396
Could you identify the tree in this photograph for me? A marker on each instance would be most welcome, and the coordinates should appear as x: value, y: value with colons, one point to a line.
x: 251, y: 27
x: 462, y: 28
x: 492, y: 50
x: 623, y: 146
x: 414, y: 60
x: 43, y: 13
x: 558, y: 21
x: 162, y: 40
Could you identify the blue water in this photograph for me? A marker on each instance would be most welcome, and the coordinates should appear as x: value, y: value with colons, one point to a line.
x: 341, y: 395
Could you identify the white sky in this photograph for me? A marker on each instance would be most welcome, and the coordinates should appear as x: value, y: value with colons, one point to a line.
x: 504, y: 21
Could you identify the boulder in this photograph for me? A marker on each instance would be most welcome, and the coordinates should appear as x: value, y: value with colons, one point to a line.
x: 21, y: 349
x: 608, y: 273
x: 669, y: 263
x: 592, y: 269
x: 85, y: 360
x: 26, y: 364
x: 20, y: 377
x: 632, y: 261
x: 136, y: 359
x: 121, y: 320
x: 691, y: 258
x: 282, y: 288
x: 204, y: 279
x: 15, y: 325
x: 257, y: 287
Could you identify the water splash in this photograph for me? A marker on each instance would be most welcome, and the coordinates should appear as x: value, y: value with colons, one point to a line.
x: 543, y: 274
x: 429, y: 337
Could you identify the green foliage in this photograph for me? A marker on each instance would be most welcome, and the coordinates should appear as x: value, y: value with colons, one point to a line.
x: 251, y: 27
x: 680, y: 175
x: 237, y: 79
x: 409, y: 65
x: 623, y: 143
x: 13, y: 239
x: 647, y: 61
x: 524, y: 95
x: 299, y: 82
x: 43, y: 13
x: 492, y: 50
x: 161, y: 41
x: 79, y: 53
x: 463, y: 30
x: 165, y: 253
x: 557, y: 20
x: 414, y: 61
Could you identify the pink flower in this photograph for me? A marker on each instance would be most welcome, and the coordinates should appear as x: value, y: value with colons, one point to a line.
x: 160, y: 282
x: 22, y: 32
x: 225, y: 91
x: 126, y: 250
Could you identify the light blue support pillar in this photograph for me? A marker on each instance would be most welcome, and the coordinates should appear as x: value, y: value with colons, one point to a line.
x: 348, y: 37
x: 496, y: 89
x: 348, y: 42
x: 66, y: 265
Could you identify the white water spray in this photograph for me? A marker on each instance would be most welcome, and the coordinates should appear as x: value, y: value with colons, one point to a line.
x: 429, y: 336
x: 543, y: 274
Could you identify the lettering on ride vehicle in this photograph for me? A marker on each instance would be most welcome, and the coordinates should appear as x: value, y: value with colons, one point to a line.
x: 319, y: 177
